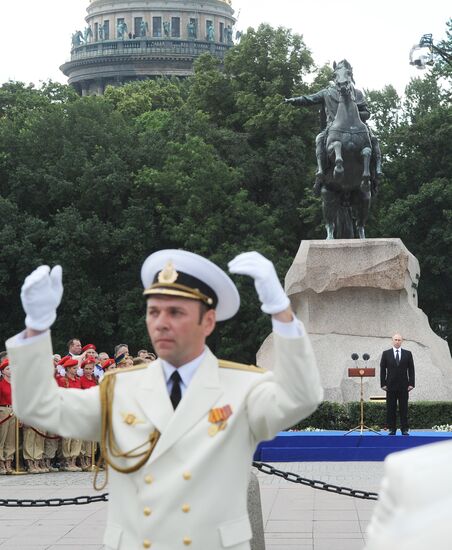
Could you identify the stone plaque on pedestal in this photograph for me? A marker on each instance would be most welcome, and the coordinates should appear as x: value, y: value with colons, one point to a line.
x: 353, y: 296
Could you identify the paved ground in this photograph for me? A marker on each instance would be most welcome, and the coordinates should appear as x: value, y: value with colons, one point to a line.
x: 301, y: 518
x: 295, y: 517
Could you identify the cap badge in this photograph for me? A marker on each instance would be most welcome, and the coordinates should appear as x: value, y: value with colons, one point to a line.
x: 168, y: 273
x: 218, y: 419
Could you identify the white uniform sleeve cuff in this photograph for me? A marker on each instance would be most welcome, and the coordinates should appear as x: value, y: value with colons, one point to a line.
x: 294, y: 329
x: 20, y: 340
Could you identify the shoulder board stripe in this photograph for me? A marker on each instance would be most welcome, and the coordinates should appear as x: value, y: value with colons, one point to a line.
x: 239, y: 366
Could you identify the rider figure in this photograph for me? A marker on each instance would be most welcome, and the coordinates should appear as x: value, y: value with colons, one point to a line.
x: 329, y: 99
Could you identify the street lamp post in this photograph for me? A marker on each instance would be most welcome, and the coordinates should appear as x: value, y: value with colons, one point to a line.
x: 423, y: 53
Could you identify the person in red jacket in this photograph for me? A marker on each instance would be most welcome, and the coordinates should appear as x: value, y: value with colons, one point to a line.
x: 70, y: 448
x: 88, y: 380
x: 70, y: 379
x: 88, y: 352
x: 108, y: 365
x: 7, y: 427
x: 52, y: 443
x: 33, y: 443
x: 60, y: 367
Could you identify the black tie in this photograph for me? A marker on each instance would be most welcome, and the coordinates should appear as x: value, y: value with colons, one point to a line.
x: 397, y: 358
x: 176, y: 393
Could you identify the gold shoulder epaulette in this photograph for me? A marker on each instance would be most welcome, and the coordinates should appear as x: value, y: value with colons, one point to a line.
x: 239, y: 366
x: 127, y: 369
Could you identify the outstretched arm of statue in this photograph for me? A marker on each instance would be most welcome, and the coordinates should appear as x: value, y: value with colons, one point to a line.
x: 313, y: 99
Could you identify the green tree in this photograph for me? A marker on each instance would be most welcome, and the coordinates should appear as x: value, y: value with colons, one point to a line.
x: 276, y: 139
x: 385, y: 106
x: 217, y: 164
x: 136, y: 98
x: 415, y: 199
x: 423, y: 220
x: 443, y: 67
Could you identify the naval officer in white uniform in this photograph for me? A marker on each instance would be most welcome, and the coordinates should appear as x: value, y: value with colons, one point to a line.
x: 178, y: 434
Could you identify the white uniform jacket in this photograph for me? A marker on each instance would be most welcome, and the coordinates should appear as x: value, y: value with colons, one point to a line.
x: 414, y: 511
x: 193, y: 489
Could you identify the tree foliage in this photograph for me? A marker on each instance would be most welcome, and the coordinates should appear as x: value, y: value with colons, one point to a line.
x: 415, y: 202
x: 216, y: 164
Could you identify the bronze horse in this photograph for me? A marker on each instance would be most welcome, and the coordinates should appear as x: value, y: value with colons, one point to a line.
x: 346, y: 192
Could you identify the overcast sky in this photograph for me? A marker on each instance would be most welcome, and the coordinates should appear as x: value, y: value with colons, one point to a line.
x: 375, y: 36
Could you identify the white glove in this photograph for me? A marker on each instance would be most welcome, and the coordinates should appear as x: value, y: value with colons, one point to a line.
x: 41, y: 295
x: 269, y: 289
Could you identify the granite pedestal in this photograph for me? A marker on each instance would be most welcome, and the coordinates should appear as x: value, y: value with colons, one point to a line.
x: 353, y: 296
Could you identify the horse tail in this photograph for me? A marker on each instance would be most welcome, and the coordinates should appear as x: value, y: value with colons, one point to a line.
x: 344, y: 222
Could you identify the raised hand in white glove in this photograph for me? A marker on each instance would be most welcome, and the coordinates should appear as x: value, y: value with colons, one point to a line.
x: 271, y: 293
x: 41, y: 295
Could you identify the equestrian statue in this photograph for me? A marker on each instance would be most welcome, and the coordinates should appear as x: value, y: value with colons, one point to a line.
x: 348, y: 155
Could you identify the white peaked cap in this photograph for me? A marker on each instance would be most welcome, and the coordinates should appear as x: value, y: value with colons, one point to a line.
x: 187, y: 275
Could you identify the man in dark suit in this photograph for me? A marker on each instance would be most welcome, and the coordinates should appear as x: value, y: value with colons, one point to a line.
x: 397, y: 379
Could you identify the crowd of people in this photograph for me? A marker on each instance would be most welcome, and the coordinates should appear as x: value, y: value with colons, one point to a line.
x: 82, y: 367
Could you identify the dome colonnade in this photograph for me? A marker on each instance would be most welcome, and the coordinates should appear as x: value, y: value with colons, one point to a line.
x: 127, y: 40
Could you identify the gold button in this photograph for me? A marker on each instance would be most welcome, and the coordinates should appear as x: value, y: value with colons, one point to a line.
x: 148, y: 479
x: 187, y: 475
x: 187, y: 541
x: 130, y: 419
x: 146, y: 543
x: 185, y: 508
x: 147, y: 511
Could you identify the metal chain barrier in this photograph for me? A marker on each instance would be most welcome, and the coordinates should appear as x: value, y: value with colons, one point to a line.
x: 29, y: 503
x: 261, y: 466
x: 314, y: 483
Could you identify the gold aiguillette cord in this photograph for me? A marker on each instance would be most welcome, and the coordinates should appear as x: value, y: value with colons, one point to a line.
x: 108, y: 441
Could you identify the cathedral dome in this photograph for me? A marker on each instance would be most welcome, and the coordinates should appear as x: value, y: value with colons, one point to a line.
x: 128, y: 40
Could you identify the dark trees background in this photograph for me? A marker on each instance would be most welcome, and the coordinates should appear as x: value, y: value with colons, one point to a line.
x: 216, y: 164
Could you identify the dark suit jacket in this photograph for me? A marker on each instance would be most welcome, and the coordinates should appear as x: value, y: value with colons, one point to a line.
x: 397, y: 377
